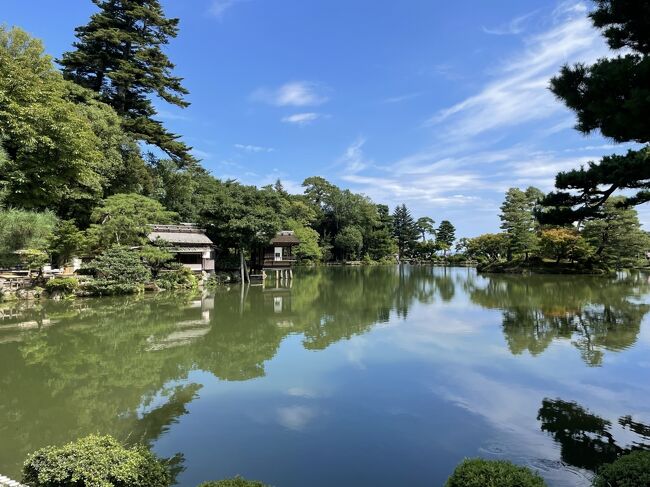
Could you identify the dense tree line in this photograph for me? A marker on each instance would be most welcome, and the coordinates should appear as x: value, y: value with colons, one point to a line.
x: 612, y: 239
x: 86, y: 166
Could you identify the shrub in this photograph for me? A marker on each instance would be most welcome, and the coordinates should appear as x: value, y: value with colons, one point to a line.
x: 234, y: 482
x: 630, y: 470
x: 181, y: 278
x: 95, y: 461
x: 119, y: 264
x: 64, y: 285
x: 477, y: 472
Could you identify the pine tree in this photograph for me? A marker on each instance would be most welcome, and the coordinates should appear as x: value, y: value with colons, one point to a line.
x: 518, y: 220
x: 445, y: 235
x: 119, y: 55
x: 405, y: 231
x: 611, y: 96
x: 425, y: 225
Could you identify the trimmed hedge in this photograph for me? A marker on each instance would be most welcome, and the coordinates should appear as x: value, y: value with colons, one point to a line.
x: 234, y: 482
x: 65, y: 285
x: 477, y: 472
x: 95, y: 461
x: 631, y: 470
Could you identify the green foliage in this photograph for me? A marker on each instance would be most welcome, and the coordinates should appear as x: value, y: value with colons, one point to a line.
x: 518, y: 220
x: 563, y: 243
x: 233, y: 482
x: 179, y: 278
x: 155, y: 258
x: 445, y: 235
x: 117, y: 270
x: 124, y: 219
x: 426, y: 250
x: 308, y: 250
x: 404, y: 230
x: 63, y: 148
x: 616, y: 235
x: 21, y: 229
x: 425, y: 226
x: 611, y: 96
x: 65, y: 241
x: 95, y: 461
x: 119, y: 54
x: 34, y: 259
x: 64, y: 285
x: 489, y: 247
x: 631, y: 470
x: 349, y: 242
x: 477, y: 472
x: 239, y: 216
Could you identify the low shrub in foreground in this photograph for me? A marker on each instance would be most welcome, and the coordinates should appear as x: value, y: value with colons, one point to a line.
x: 95, y: 461
x: 234, y: 482
x: 64, y: 285
x: 632, y: 470
x: 477, y: 472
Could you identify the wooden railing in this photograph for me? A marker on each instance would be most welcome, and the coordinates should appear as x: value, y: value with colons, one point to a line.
x: 286, y: 262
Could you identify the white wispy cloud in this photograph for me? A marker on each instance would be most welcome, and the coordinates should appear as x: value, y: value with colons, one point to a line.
x: 168, y: 115
x: 353, y: 158
x: 219, y: 7
x: 253, y: 148
x: 401, y: 98
x: 295, y: 93
x: 481, y: 145
x: 302, y: 118
x: 519, y: 91
x: 514, y: 26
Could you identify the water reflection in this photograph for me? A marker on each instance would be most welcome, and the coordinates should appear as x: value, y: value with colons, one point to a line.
x: 128, y: 366
x: 587, y: 440
x: 595, y: 314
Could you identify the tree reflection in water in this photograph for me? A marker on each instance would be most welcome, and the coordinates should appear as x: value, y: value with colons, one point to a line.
x: 585, y: 439
x: 122, y: 365
x: 595, y: 314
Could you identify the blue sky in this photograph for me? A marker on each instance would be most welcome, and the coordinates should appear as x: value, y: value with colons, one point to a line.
x: 440, y: 105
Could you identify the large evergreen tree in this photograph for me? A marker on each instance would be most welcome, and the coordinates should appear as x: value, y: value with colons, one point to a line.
x: 518, y: 220
x: 445, y: 235
x: 119, y: 55
x: 405, y: 231
x: 612, y: 96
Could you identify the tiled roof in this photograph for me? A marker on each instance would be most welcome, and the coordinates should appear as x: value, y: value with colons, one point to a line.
x: 179, y: 234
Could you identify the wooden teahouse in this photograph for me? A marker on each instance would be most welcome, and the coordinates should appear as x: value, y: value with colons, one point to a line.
x: 189, y: 243
x: 278, y: 256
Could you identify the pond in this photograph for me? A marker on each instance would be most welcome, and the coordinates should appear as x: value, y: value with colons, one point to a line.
x: 374, y: 376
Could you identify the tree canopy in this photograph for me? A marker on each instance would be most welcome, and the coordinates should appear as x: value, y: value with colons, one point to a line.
x: 611, y: 96
x: 119, y: 54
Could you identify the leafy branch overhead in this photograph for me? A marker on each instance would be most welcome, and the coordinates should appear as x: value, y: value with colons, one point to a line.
x: 611, y: 96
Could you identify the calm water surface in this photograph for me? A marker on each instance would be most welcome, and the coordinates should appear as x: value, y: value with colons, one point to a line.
x: 366, y: 376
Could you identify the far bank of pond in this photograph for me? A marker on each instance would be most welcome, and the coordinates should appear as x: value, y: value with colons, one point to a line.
x: 384, y: 375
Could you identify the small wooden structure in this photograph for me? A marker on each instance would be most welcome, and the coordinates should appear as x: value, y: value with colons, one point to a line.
x: 278, y: 256
x: 188, y: 243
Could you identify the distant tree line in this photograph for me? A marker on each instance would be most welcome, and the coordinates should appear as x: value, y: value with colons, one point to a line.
x: 612, y: 239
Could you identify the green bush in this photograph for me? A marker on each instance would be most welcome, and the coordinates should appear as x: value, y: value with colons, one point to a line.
x: 181, y: 278
x: 103, y: 287
x: 65, y: 285
x: 632, y: 470
x: 119, y: 264
x: 95, y: 461
x: 476, y: 472
x: 234, y: 482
